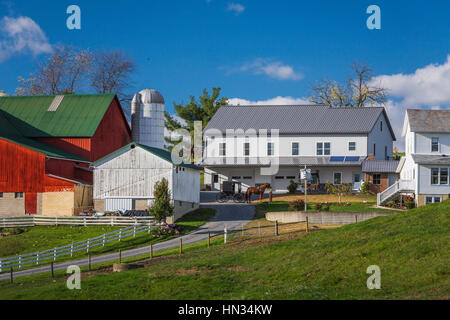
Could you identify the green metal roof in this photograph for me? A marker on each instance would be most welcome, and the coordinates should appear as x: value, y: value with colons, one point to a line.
x: 76, y: 116
x: 163, y: 154
x: 10, y: 133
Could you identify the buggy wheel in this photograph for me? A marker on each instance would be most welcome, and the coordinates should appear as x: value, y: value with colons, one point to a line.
x: 239, y: 198
x: 221, y: 197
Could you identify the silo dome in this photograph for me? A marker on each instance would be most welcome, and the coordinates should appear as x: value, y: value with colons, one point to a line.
x: 147, y: 118
x: 151, y: 96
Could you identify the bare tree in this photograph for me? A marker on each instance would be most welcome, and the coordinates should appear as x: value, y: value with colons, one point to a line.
x: 61, y: 72
x: 357, y: 92
x: 111, y: 72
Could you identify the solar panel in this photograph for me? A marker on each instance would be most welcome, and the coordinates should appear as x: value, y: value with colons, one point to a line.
x: 337, y: 159
x: 351, y: 159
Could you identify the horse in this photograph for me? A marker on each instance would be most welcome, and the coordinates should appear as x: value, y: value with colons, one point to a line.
x: 256, y: 190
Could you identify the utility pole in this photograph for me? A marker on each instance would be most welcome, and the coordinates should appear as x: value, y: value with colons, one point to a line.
x: 306, y: 190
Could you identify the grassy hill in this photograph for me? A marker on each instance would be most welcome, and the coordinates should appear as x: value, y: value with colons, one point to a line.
x: 411, y: 248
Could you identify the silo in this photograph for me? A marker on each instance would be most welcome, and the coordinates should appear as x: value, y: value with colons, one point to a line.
x: 147, y: 118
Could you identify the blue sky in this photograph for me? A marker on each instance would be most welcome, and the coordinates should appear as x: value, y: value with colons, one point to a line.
x: 257, y: 51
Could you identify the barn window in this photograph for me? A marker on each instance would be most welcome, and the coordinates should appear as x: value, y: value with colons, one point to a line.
x: 290, y: 177
x: 351, y: 146
x: 180, y: 203
x: 216, y: 178
x: 248, y: 178
x: 18, y: 195
x: 192, y: 205
x: 1, y: 194
x: 279, y: 177
x: 236, y: 177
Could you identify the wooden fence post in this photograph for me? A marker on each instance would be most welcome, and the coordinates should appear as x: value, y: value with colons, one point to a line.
x: 0, y: 265
x: 20, y: 264
x: 11, y: 276
x: 89, y: 261
x: 103, y: 242
x: 276, y: 227
x: 37, y: 258
x: 209, y: 241
x: 134, y: 231
x: 151, y: 251
x: 52, y: 269
x: 71, y: 250
x: 84, y: 221
x: 120, y: 235
x: 270, y: 197
x: 356, y: 218
x: 307, y: 224
x: 242, y: 230
x: 120, y: 256
x: 181, y: 245
x: 259, y: 228
x: 87, y: 246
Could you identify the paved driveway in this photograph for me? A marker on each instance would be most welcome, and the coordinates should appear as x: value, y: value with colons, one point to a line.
x: 229, y: 215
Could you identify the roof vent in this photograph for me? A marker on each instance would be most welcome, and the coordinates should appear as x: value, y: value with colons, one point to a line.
x: 55, y: 103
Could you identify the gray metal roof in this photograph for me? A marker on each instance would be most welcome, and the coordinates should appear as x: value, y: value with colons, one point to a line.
x: 380, y: 166
x: 282, y: 161
x: 298, y: 119
x: 429, y: 120
x: 431, y: 159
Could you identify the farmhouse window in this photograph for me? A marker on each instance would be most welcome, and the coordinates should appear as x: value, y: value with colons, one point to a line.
x: 338, y: 178
x: 327, y: 150
x: 434, y: 176
x: 290, y: 177
x: 430, y: 200
x: 246, y: 149
x: 270, y: 148
x: 323, y: 148
x: 295, y: 148
x: 434, y: 144
x: 374, y: 149
x: 216, y: 178
x: 376, y: 179
x: 222, y: 149
x: 351, y: 146
x: 236, y: 178
x: 279, y: 177
x: 381, y: 126
x: 444, y: 176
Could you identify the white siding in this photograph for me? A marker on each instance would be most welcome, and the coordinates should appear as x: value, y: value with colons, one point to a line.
x: 425, y: 186
x: 381, y: 139
x: 283, y: 145
x: 186, y: 185
x: 423, y: 143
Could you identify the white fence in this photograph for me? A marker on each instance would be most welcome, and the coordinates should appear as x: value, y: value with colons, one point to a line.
x: 31, y: 221
x: 69, y: 250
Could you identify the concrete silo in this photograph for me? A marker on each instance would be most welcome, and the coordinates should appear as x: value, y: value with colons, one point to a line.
x: 147, y: 118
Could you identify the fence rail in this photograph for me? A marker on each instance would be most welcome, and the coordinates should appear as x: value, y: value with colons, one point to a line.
x: 31, y: 221
x: 37, y: 258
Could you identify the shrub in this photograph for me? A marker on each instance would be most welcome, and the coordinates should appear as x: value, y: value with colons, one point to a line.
x: 365, y: 187
x: 296, y: 205
x: 408, y: 202
x: 292, y: 188
x: 161, y: 207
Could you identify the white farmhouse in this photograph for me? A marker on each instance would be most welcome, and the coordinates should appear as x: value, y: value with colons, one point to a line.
x: 125, y: 179
x: 270, y: 144
x: 424, y: 171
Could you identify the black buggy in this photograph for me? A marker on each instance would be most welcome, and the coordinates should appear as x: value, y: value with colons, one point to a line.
x: 228, y: 192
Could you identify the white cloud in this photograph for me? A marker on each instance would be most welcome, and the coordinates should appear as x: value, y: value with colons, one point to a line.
x: 274, y: 101
x: 273, y: 69
x: 428, y: 86
x: 237, y: 8
x: 21, y: 35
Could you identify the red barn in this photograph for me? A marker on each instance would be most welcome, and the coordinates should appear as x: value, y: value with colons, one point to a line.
x: 46, y: 146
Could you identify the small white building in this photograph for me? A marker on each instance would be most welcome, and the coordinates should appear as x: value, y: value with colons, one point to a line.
x: 425, y: 169
x: 125, y: 179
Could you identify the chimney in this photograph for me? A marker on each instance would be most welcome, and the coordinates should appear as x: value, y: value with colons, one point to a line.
x: 371, y: 156
x: 3, y: 93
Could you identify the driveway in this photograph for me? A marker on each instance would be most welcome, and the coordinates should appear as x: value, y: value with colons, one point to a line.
x: 229, y: 215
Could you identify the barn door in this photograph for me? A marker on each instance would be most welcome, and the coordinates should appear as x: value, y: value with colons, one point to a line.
x: 31, y: 203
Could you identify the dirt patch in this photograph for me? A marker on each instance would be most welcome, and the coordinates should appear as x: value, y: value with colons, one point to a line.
x: 187, y: 272
x: 238, y: 268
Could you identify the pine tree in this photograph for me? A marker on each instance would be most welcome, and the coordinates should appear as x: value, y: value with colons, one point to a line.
x: 161, y: 207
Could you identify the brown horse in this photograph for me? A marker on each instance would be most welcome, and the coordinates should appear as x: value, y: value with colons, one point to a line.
x: 256, y: 190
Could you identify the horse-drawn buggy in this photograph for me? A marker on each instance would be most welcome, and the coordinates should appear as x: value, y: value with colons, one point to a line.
x: 231, y: 191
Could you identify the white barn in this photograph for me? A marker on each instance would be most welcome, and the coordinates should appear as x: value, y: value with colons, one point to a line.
x: 124, y: 180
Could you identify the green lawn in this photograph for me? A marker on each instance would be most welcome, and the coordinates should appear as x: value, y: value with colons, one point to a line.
x: 280, y: 206
x: 42, y: 238
x: 411, y: 248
